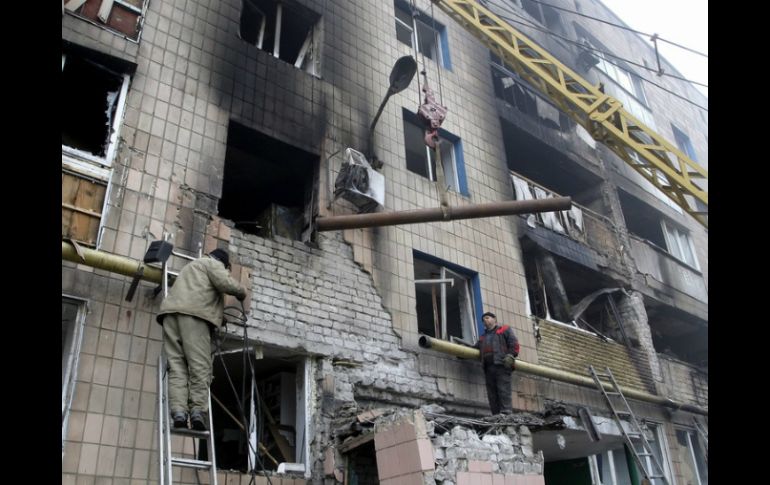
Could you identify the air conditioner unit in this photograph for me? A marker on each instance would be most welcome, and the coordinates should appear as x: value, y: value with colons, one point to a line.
x: 359, y: 183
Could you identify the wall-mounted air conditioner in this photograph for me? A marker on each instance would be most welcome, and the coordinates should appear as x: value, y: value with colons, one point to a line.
x: 359, y: 183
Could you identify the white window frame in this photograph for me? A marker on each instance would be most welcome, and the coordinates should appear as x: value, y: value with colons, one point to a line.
x: 100, y: 168
x: 439, y: 52
x: 71, y: 366
x: 662, y: 443
x: 689, y: 432
x: 680, y: 245
x: 468, y: 325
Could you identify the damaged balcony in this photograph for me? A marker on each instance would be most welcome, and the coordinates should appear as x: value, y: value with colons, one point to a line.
x: 665, y: 255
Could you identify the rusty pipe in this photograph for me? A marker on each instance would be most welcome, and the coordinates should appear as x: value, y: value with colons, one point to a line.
x: 110, y: 262
x: 559, y: 375
x: 472, y: 211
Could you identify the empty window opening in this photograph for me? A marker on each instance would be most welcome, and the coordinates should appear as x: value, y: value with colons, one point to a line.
x: 421, y: 159
x: 549, y: 168
x: 268, y: 184
x: 122, y: 16
x: 90, y: 103
x: 689, y: 452
x: 423, y: 31
x: 677, y: 334
x: 448, y: 299
x: 362, y: 465
x: 566, y: 292
x: 287, y: 30
x: 274, y: 404
x: 71, y: 335
x: 518, y: 93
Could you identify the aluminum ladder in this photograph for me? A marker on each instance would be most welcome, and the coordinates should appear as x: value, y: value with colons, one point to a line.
x: 166, y: 429
x: 646, y: 461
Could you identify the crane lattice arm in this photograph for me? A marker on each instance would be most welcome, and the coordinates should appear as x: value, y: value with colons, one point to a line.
x: 657, y: 160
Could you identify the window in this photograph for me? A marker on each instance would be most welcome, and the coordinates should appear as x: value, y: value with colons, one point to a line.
x: 422, y: 31
x: 268, y: 184
x: 618, y: 466
x: 71, y: 334
x: 684, y: 143
x: 277, y: 397
x: 448, y: 299
x: 544, y: 14
x: 95, y: 88
x: 286, y: 30
x: 421, y: 159
x: 688, y: 451
x: 680, y: 245
x: 121, y: 16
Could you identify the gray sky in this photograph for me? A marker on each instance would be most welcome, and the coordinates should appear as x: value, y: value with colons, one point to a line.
x: 682, y: 21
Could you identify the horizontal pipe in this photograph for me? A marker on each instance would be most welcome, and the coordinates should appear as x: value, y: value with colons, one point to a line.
x: 559, y: 375
x: 472, y: 211
x: 110, y: 262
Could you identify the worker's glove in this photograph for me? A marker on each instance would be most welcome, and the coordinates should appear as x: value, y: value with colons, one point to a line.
x: 509, y: 361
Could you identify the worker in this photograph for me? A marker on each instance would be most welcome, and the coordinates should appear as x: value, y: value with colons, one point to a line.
x: 193, y: 308
x: 499, y: 349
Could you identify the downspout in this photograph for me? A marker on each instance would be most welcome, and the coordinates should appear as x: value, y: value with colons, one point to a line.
x: 538, y: 370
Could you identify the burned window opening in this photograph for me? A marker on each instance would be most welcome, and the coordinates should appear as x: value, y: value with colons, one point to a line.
x: 286, y: 30
x: 548, y: 167
x: 268, y: 184
x: 362, y: 465
x: 457, y: 300
x: 677, y: 334
x: 562, y: 291
x: 274, y: 411
x: 89, y: 105
x: 421, y: 159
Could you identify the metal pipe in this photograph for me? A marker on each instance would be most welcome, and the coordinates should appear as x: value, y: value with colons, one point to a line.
x: 110, y: 262
x: 472, y: 211
x: 538, y: 370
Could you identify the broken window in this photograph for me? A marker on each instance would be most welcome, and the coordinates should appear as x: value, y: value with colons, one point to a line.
x: 122, y: 16
x: 274, y: 403
x: 618, y: 466
x: 530, y: 157
x: 71, y: 334
x: 268, y: 184
x: 684, y: 143
x: 648, y: 224
x: 93, y: 104
x: 677, y: 334
x: 415, y: 28
x: 285, y: 29
x: 566, y: 292
x: 448, y: 298
x: 691, y: 457
x: 421, y: 159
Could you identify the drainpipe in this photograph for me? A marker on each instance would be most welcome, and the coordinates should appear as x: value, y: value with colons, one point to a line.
x: 109, y: 262
x: 471, y: 211
x: 538, y: 370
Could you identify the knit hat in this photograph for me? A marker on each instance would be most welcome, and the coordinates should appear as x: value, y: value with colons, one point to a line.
x: 221, y: 255
x: 490, y: 314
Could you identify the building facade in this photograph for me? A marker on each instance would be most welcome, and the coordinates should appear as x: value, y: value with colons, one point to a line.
x: 226, y: 124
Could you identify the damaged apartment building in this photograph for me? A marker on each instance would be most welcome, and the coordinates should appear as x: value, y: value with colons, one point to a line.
x: 251, y: 125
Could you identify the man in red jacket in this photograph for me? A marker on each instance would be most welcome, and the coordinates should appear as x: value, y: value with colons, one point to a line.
x: 499, y: 349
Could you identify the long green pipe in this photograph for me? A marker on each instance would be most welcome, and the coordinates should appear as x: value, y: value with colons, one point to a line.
x: 110, y: 262
x: 559, y: 375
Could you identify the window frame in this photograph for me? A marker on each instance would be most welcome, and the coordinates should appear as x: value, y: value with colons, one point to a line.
x: 679, y: 242
x: 689, y: 433
x: 87, y: 165
x: 439, y: 35
x: 471, y: 324
x: 69, y: 370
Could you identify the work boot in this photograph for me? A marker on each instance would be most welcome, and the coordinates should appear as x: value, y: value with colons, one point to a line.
x: 180, y: 419
x: 198, y: 420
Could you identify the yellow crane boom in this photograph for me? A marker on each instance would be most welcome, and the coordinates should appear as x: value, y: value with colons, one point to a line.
x: 654, y: 158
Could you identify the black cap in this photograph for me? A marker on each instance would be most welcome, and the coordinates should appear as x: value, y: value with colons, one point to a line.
x: 221, y: 255
x: 490, y: 314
